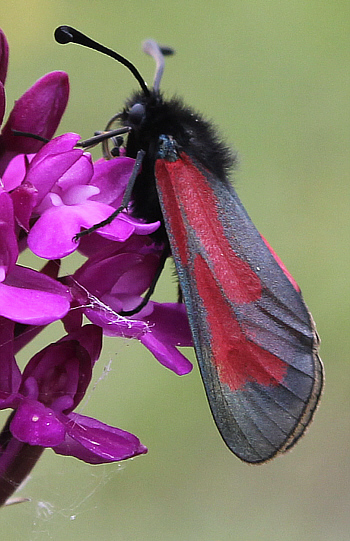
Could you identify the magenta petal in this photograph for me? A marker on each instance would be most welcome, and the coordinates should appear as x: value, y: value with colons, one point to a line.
x: 6, y: 208
x: 90, y: 337
x: 136, y: 278
x: 36, y: 424
x: 118, y: 269
x: 167, y: 355
x: 31, y: 279
x: 113, y: 324
x: 4, y: 56
x: 31, y: 307
x: 8, y: 241
x: 143, y: 228
x: 93, y: 212
x: 10, y: 375
x: 46, y: 173
x: 78, y: 176
x: 62, y: 372
x: 51, y: 237
x: 112, y: 177
x: 58, y: 145
x: 97, y: 443
x: 171, y: 324
x: 24, y: 199
x: 2, y: 102
x: 15, y: 172
x: 38, y: 111
x: 30, y: 297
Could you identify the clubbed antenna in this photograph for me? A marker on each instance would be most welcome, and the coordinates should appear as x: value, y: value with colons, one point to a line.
x: 67, y: 34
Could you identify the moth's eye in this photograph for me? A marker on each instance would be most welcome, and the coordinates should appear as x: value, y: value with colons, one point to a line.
x: 136, y: 114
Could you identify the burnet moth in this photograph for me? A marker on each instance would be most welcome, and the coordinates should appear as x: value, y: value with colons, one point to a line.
x: 255, y: 340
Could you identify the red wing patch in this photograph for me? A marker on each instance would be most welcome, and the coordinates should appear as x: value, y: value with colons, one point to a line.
x: 191, y: 199
x: 237, y: 359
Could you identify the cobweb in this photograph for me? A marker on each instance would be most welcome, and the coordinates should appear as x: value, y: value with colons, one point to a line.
x: 62, y: 489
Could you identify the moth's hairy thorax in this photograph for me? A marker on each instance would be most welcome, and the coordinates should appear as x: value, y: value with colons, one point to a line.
x: 193, y: 134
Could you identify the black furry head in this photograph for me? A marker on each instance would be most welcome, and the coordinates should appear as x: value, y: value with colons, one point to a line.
x: 151, y: 116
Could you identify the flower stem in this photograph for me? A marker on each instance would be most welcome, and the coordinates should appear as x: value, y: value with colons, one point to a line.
x: 17, y: 459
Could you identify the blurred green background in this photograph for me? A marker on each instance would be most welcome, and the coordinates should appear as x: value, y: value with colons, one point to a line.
x: 274, y: 75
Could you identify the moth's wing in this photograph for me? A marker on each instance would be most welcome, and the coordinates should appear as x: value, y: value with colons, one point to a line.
x: 254, y: 337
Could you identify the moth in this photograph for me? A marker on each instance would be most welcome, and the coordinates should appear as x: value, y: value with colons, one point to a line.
x: 254, y: 337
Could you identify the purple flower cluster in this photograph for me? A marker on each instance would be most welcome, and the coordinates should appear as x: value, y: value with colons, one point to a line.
x: 48, y: 193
